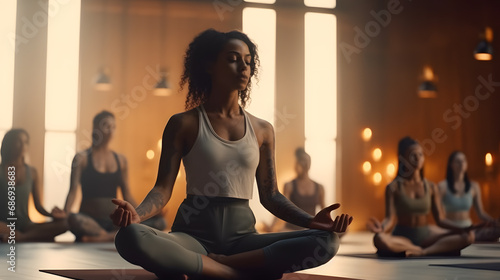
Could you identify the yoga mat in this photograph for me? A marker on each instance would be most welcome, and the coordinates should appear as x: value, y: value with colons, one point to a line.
x: 141, y: 274
x: 375, y: 256
x: 483, y: 266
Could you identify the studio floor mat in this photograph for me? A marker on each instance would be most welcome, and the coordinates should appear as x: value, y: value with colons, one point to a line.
x: 483, y: 266
x: 141, y: 274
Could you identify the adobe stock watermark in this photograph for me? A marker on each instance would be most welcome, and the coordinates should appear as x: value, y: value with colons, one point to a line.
x: 30, y: 28
x: 372, y: 29
x: 122, y: 107
x: 282, y: 119
x: 455, y: 116
x: 223, y: 6
x: 321, y: 254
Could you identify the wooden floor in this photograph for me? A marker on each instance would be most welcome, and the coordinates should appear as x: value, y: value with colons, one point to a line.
x: 355, y: 259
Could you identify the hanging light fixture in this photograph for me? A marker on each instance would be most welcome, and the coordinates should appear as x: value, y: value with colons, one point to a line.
x: 427, y: 88
x: 162, y: 87
x: 102, y: 81
x: 484, y: 49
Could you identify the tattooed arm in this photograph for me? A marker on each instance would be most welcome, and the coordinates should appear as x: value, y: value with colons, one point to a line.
x: 270, y: 197
x: 278, y: 204
x: 173, y: 148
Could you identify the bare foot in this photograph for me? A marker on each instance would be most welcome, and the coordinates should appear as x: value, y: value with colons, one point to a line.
x: 414, y: 253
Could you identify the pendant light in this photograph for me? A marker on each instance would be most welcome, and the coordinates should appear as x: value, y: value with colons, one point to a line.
x: 427, y: 88
x: 162, y: 87
x: 484, y: 49
x: 102, y: 81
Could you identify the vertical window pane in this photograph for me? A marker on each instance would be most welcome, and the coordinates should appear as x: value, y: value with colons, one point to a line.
x: 63, y: 41
x: 260, y: 26
x: 61, y: 98
x: 321, y: 98
x: 7, y: 54
x: 321, y: 3
x: 261, y: 1
x: 59, y: 152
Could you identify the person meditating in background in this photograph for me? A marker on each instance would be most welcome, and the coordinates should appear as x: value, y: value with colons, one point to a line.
x: 409, y: 198
x: 459, y: 194
x: 99, y: 171
x: 307, y: 194
x: 14, y: 171
x: 224, y: 149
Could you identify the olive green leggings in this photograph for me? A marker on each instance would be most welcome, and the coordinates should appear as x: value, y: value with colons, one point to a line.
x: 220, y: 226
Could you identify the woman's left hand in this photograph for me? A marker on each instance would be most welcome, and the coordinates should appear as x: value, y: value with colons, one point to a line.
x: 58, y: 214
x: 323, y: 220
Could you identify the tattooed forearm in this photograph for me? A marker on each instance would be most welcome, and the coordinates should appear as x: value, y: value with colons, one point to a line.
x: 276, y: 202
x: 284, y: 209
x: 152, y: 204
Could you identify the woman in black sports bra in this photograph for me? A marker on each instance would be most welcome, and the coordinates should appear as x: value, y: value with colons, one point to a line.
x: 100, y: 172
x: 409, y: 200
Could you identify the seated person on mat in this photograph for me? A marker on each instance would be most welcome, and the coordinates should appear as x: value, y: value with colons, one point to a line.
x: 459, y: 194
x: 224, y: 149
x: 17, y: 181
x: 302, y: 191
x: 100, y: 171
x: 408, y: 199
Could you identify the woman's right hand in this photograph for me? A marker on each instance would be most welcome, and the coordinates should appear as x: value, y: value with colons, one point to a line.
x: 124, y: 214
x: 374, y: 225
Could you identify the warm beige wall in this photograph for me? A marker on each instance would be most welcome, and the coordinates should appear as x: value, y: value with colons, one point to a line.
x: 377, y: 89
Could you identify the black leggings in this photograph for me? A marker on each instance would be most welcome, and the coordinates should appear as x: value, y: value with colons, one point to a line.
x: 220, y: 226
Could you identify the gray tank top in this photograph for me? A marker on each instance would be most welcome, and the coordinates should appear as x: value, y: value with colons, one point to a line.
x: 217, y: 167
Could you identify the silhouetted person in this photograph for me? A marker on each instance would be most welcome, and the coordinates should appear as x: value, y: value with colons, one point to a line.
x: 100, y: 172
x: 18, y: 181
x: 459, y: 194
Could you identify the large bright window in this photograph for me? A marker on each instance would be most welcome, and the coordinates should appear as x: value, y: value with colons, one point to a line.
x: 321, y: 98
x: 7, y: 54
x: 321, y: 3
x: 260, y: 26
x: 61, y: 99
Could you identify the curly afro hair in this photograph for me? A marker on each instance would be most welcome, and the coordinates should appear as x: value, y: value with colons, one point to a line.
x: 202, y: 51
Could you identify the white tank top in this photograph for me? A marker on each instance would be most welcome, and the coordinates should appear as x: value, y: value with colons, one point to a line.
x: 219, y: 167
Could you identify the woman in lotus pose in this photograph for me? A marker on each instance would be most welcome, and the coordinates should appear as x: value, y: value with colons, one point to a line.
x: 459, y: 194
x: 223, y: 148
x: 99, y: 171
x: 408, y: 199
x: 22, y: 180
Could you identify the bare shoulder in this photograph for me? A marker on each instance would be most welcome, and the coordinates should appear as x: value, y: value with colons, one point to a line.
x: 442, y: 185
x: 80, y: 159
x: 475, y: 187
x: 184, y: 121
x: 392, y: 186
x: 122, y: 158
x: 262, y: 128
x: 433, y: 186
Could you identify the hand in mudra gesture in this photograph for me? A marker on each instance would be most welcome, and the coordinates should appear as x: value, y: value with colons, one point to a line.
x: 323, y: 220
x: 124, y: 214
